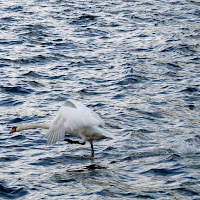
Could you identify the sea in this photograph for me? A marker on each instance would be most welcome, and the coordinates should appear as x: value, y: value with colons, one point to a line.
x: 134, y: 62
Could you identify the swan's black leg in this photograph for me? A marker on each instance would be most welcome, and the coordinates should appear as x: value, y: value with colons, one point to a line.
x: 82, y: 143
x: 92, y: 150
x: 74, y: 142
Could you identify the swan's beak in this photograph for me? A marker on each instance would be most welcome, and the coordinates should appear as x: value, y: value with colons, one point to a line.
x: 13, y: 130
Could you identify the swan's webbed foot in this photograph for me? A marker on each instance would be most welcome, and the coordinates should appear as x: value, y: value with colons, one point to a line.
x: 74, y: 142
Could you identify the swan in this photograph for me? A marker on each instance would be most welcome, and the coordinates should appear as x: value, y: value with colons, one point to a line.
x: 74, y: 119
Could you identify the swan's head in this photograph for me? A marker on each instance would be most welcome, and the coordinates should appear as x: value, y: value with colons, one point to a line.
x: 14, y: 129
x: 20, y: 127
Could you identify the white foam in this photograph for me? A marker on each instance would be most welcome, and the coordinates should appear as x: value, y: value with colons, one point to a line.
x: 184, y: 147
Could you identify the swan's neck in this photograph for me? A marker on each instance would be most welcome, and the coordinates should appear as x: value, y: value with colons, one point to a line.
x: 32, y: 126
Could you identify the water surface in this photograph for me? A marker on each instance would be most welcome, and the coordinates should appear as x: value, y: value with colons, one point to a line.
x: 136, y: 63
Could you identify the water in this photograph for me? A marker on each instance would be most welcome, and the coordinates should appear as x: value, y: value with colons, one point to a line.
x: 136, y: 63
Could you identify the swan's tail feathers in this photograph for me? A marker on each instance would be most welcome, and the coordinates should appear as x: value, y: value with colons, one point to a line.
x: 107, y: 134
x: 100, y: 133
x: 55, y: 135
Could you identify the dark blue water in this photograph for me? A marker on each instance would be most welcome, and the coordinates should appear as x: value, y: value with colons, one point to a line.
x: 136, y: 63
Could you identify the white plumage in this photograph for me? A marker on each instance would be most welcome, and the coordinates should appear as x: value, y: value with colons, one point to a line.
x: 74, y: 119
x: 77, y: 120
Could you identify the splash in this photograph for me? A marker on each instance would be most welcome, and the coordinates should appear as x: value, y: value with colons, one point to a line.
x: 187, y: 147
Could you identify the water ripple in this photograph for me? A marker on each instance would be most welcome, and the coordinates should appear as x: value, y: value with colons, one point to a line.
x: 136, y: 63
x: 12, y: 192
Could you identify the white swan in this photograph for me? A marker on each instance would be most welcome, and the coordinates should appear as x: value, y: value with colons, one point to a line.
x: 75, y: 119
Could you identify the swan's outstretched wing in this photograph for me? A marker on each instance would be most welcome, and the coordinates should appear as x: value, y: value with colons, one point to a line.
x: 72, y: 115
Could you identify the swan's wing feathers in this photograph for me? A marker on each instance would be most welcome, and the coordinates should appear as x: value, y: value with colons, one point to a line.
x: 72, y: 115
x: 56, y: 131
x: 69, y: 103
x: 78, y: 118
x: 87, y: 111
